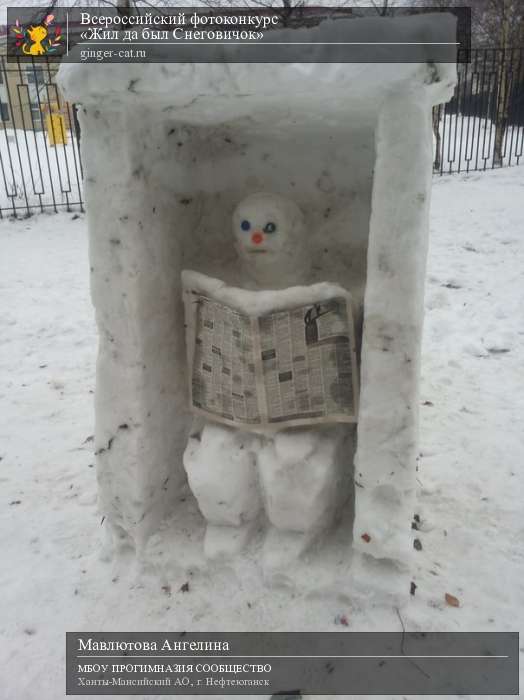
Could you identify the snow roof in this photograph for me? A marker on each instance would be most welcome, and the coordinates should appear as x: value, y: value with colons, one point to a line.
x: 216, y: 92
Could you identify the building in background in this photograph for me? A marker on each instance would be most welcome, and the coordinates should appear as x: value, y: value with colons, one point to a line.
x: 29, y: 93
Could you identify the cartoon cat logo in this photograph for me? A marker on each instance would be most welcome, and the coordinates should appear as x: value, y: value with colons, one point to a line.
x: 36, y: 40
x: 37, y: 35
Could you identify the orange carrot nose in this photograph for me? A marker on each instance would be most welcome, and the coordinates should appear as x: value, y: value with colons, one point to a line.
x: 257, y: 238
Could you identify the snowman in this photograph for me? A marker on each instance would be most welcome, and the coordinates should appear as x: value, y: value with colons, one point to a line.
x: 298, y: 476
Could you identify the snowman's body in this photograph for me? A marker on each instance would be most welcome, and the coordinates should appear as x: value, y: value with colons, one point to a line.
x: 300, y: 476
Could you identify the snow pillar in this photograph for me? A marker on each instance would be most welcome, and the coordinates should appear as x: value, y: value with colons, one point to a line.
x: 386, y: 459
x: 141, y: 421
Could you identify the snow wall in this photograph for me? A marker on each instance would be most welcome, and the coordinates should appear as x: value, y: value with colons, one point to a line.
x: 168, y: 151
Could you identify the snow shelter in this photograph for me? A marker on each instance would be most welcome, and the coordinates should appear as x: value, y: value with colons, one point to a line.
x: 169, y: 150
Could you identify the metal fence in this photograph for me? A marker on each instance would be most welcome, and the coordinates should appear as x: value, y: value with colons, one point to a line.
x: 39, y: 144
x: 482, y: 126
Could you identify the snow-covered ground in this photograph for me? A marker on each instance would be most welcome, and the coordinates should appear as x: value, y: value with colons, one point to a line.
x: 472, y: 451
x: 37, y: 174
x: 468, y: 143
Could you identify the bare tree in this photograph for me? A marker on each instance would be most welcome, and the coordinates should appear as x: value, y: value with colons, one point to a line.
x: 383, y: 7
x: 496, y: 24
x: 501, y: 24
x: 438, y: 139
x: 125, y: 7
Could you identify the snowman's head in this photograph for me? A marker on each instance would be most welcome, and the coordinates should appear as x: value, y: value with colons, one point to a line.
x: 268, y: 227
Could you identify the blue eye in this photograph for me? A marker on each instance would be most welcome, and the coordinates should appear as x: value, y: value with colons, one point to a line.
x: 245, y: 225
x: 270, y: 227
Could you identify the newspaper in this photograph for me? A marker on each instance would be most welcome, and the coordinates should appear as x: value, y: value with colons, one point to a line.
x: 276, y: 359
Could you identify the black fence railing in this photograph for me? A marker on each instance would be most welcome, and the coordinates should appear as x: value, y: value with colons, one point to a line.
x: 482, y: 126
x: 39, y: 142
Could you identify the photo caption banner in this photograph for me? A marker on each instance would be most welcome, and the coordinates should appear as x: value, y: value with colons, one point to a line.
x: 292, y: 663
x: 108, y: 34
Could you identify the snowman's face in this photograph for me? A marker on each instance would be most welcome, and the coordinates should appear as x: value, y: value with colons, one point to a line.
x: 265, y: 225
